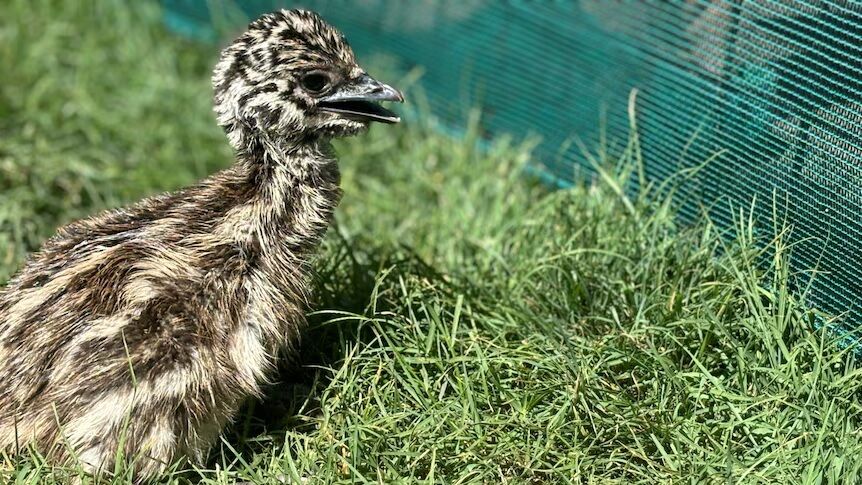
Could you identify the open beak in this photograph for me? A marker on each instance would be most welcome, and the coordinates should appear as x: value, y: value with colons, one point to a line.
x: 358, y: 99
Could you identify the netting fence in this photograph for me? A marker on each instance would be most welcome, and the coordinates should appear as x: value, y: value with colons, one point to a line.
x: 774, y: 86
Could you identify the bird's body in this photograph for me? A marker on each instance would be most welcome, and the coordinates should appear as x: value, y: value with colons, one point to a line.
x: 143, y: 329
x: 168, y: 313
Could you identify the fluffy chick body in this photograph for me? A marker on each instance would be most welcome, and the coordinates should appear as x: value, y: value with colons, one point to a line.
x: 153, y: 323
x: 145, y: 328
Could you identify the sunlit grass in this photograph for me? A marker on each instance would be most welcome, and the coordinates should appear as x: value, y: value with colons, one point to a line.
x: 470, y: 325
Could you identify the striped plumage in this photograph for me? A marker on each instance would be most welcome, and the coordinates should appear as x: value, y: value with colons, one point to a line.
x: 151, y: 324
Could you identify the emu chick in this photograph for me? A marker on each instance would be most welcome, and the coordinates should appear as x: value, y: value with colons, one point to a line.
x: 146, y: 327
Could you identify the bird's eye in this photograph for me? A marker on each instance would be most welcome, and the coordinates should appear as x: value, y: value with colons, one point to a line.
x: 316, y: 82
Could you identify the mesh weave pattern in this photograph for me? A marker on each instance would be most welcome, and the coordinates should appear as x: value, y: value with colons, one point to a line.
x: 775, y: 84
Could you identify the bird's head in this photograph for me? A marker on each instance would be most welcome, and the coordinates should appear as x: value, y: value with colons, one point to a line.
x: 292, y: 76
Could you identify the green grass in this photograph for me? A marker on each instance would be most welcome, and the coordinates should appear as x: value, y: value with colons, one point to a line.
x: 470, y: 326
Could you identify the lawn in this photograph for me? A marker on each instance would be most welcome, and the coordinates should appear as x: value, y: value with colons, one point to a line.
x: 470, y: 325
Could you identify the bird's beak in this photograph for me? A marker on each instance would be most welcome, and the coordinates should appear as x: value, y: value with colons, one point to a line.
x: 358, y: 99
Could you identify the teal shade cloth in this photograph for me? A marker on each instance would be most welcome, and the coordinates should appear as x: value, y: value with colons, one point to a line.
x: 773, y: 86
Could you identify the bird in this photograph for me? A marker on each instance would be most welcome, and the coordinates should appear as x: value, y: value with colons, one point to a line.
x: 143, y: 329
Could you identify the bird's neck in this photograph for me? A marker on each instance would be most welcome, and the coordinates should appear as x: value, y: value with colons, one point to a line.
x: 293, y: 190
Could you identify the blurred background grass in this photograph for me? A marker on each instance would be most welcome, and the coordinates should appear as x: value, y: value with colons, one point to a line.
x: 91, y: 99
x: 470, y: 326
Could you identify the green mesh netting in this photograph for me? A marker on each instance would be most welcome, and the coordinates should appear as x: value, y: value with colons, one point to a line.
x: 775, y: 83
